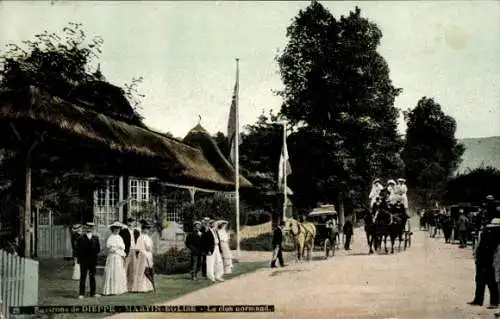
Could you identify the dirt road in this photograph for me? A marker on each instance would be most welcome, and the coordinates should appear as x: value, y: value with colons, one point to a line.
x: 429, y: 280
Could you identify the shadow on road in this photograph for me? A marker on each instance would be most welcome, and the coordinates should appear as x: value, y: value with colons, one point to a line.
x: 280, y: 272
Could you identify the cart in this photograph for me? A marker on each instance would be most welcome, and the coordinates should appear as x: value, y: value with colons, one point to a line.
x: 326, y: 237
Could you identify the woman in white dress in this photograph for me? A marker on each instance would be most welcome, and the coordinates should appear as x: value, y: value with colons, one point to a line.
x: 144, y: 250
x: 401, y: 191
x: 227, y: 258
x: 375, y: 192
x: 115, y: 277
x: 392, y: 198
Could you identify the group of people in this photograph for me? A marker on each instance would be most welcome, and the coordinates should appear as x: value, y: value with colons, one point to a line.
x: 129, y: 261
x: 210, y: 252
x: 396, y: 192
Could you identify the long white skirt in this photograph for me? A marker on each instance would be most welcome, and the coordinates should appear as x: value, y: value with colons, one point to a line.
x: 115, y: 277
x: 215, y: 266
x: 227, y: 258
x: 76, y: 270
x: 141, y: 283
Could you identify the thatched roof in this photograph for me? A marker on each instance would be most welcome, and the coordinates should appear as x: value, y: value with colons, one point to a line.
x: 107, y: 99
x: 150, y: 153
x: 199, y: 137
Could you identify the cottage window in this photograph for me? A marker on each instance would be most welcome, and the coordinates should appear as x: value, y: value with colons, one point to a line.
x: 105, y: 201
x: 144, y: 190
x: 173, y: 211
x: 139, y: 193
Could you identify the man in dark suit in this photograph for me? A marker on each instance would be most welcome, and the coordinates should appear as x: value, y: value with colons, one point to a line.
x: 193, y: 243
x: 88, y: 249
x: 205, y: 226
x: 348, y: 231
x: 278, y: 245
x: 485, y: 273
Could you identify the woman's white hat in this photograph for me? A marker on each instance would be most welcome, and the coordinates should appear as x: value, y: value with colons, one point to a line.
x: 401, y: 180
x: 117, y: 224
x: 391, y: 181
x: 220, y: 222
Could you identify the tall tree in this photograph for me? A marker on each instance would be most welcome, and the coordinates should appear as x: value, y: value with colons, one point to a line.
x: 259, y: 158
x: 337, y: 88
x: 431, y: 151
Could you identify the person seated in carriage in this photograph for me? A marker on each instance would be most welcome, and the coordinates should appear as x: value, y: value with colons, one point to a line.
x: 400, y: 190
x: 331, y: 222
x: 391, y: 193
x: 377, y: 187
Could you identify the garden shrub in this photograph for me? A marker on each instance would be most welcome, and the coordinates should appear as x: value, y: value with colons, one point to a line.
x: 262, y: 242
x: 258, y: 217
x: 173, y: 261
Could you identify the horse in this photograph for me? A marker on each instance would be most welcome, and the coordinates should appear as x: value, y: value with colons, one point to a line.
x: 303, y: 235
x: 369, y: 230
x: 381, y: 229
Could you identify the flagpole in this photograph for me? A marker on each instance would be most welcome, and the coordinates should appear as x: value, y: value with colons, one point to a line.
x: 284, y: 173
x: 237, y: 163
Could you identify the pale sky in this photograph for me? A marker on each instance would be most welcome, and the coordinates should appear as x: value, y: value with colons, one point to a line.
x: 186, y: 53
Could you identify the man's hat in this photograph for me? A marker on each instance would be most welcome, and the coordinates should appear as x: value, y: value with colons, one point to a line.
x: 490, y: 197
x: 89, y: 224
x: 377, y: 180
x: 76, y: 227
x: 391, y: 181
x: 401, y: 180
x: 196, y: 222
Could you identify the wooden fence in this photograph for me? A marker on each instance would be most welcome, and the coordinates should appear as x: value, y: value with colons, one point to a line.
x: 18, y: 282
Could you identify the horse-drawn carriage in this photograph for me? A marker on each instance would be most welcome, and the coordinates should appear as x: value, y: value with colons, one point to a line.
x: 327, y: 233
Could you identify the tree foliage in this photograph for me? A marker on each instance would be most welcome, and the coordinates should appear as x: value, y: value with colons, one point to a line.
x: 337, y: 89
x: 59, y: 63
x: 64, y: 64
x: 431, y: 152
x: 474, y: 186
x: 214, y: 207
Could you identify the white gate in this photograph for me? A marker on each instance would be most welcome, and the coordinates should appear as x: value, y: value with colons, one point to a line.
x: 53, y: 241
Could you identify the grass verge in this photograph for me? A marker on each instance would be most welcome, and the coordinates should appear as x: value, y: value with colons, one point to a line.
x: 57, y: 288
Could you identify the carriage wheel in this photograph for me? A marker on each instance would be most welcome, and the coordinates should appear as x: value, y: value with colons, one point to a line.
x: 327, y: 246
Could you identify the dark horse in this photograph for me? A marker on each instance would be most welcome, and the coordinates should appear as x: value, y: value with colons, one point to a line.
x: 397, y: 225
x: 388, y: 222
x: 369, y: 230
x: 382, y: 224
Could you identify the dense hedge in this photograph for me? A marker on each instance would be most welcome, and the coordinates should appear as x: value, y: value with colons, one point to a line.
x: 173, y: 261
